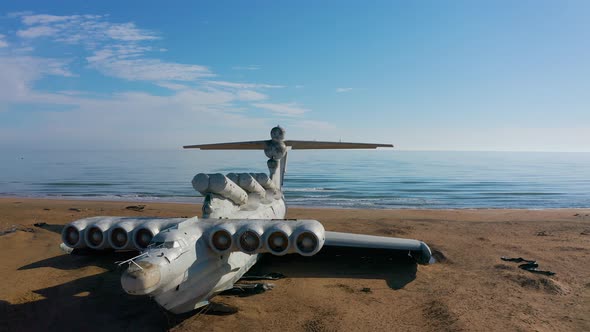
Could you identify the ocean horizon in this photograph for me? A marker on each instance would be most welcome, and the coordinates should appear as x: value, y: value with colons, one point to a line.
x: 382, y: 179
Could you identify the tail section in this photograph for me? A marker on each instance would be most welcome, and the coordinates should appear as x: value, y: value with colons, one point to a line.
x: 276, y: 150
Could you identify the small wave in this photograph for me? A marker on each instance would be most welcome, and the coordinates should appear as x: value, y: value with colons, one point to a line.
x: 308, y: 189
x: 78, y: 184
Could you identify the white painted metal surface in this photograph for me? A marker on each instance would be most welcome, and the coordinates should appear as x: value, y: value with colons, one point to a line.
x: 184, y: 262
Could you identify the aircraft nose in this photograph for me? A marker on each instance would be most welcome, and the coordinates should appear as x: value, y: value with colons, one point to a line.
x: 141, y: 279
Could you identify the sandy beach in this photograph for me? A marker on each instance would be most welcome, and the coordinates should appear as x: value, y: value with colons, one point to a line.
x: 469, y: 288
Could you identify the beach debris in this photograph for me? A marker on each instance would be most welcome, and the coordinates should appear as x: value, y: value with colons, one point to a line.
x: 366, y: 290
x: 46, y: 209
x: 585, y: 232
x: 243, y: 290
x: 439, y: 256
x: 15, y: 228
x: 529, y: 265
x: 74, y: 209
x: 542, y: 233
x: 268, y: 276
x: 137, y: 208
x: 516, y: 260
x: 219, y: 309
x: 40, y: 224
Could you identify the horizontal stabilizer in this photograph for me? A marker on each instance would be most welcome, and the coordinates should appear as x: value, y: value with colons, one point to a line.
x: 250, y: 145
x: 295, y: 145
x: 307, y: 145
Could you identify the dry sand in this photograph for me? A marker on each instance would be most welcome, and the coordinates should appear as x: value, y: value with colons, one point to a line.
x: 472, y: 289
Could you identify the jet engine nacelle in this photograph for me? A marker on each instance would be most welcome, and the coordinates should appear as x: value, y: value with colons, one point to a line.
x: 308, y: 238
x: 220, y: 238
x: 72, y: 234
x: 120, y: 233
x: 221, y: 185
x: 277, y: 237
x: 143, y: 235
x: 96, y: 235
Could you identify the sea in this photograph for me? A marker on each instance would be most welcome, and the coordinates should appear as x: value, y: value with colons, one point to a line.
x: 374, y: 179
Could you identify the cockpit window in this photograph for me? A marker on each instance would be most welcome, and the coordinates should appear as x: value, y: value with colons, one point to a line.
x: 167, y: 244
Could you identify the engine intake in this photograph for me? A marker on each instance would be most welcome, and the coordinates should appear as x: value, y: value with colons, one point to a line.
x: 119, y: 239
x: 95, y: 237
x: 249, y: 241
x: 142, y: 238
x: 221, y: 240
x: 309, y: 238
x: 306, y: 243
x: 71, y: 236
x: 277, y: 240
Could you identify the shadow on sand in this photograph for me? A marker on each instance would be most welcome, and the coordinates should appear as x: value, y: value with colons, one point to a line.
x: 90, y: 303
x: 397, y: 269
x: 98, y: 303
x: 50, y: 227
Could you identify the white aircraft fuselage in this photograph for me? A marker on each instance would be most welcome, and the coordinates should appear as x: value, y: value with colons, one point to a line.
x: 181, y: 272
x: 185, y: 262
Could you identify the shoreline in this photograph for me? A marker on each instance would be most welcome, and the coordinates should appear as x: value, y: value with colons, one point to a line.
x: 131, y: 201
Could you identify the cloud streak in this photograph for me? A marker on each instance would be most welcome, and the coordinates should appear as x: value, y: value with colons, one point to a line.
x: 124, y: 52
x: 290, y: 109
x: 245, y: 85
x: 116, y: 49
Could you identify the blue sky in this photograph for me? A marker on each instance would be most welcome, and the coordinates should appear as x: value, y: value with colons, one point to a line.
x: 423, y: 75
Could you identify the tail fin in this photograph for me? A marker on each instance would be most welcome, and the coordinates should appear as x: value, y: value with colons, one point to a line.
x: 276, y: 149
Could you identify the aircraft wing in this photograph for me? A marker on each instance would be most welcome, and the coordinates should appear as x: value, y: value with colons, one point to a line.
x: 417, y: 249
x: 303, y: 236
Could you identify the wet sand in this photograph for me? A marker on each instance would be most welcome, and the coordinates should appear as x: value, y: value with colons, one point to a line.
x: 469, y: 288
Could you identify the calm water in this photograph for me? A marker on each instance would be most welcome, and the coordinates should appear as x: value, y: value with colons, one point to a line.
x: 363, y: 179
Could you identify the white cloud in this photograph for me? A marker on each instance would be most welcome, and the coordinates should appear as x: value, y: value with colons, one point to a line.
x: 149, y: 69
x: 245, y: 85
x: 118, y: 49
x: 172, y: 86
x: 132, y: 119
x: 18, y: 74
x: 290, y: 109
x: 122, y: 50
x: 250, y: 95
x: 87, y: 29
x: 29, y: 19
x: 128, y: 32
x: 341, y: 90
x: 38, y: 31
